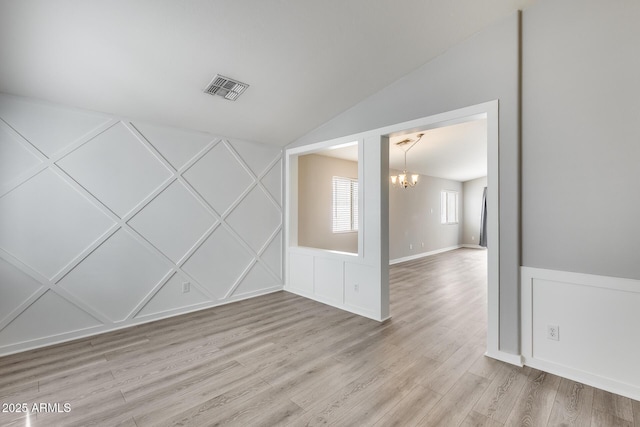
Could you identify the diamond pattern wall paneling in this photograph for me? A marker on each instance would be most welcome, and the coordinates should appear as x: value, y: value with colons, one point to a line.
x: 38, y: 321
x: 115, y: 277
x: 218, y: 263
x: 257, y: 157
x: 272, y: 255
x: 219, y: 178
x: 171, y: 297
x: 255, y: 229
x: 189, y: 221
x: 116, y: 168
x: 46, y: 223
x: 254, y: 281
x: 273, y: 182
x: 178, y: 146
x: 102, y: 221
x: 15, y: 287
x: 19, y: 159
x: 50, y: 128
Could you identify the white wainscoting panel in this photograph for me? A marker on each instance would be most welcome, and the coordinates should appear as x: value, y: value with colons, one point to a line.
x: 366, y: 294
x: 328, y: 279
x: 301, y: 274
x: 599, y: 324
x: 103, y: 222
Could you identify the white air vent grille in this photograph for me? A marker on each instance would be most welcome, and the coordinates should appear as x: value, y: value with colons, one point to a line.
x: 225, y: 87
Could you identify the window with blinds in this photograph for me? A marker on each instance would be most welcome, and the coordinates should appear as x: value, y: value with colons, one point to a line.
x: 448, y: 207
x: 345, y: 204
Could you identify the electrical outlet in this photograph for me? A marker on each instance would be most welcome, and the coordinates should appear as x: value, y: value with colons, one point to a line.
x: 410, y: 245
x: 553, y: 332
x: 423, y: 244
x: 356, y: 287
x: 186, y: 287
x: 473, y: 237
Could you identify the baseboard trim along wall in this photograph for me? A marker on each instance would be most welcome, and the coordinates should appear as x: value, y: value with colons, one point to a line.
x: 424, y: 254
x: 466, y: 245
x: 582, y: 327
x: 345, y: 307
x: 99, y: 330
x: 513, y: 359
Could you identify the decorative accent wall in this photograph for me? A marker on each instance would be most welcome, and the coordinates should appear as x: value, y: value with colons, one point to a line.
x: 106, y: 223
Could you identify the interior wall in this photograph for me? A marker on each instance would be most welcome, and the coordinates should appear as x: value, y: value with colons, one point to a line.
x: 345, y: 280
x: 414, y: 218
x: 473, y: 191
x: 581, y: 104
x: 483, y: 68
x: 315, y: 202
x: 105, y: 223
x: 597, y: 321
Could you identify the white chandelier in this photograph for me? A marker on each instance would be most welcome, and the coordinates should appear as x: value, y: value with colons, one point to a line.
x: 402, y: 179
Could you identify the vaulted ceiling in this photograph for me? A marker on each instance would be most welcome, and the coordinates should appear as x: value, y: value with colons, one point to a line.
x: 305, y: 61
x: 457, y: 152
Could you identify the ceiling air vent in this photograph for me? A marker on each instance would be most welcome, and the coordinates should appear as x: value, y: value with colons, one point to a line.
x: 226, y: 87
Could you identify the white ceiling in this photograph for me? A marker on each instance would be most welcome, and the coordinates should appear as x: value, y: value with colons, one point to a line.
x: 306, y: 61
x: 457, y: 152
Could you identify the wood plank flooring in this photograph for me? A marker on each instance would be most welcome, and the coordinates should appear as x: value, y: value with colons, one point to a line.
x: 284, y: 360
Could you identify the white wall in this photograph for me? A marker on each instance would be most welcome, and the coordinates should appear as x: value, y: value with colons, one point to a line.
x: 102, y: 220
x: 315, y: 202
x: 581, y: 155
x: 481, y: 69
x: 598, y: 321
x: 473, y: 191
x: 414, y: 219
x: 580, y: 204
x: 347, y: 281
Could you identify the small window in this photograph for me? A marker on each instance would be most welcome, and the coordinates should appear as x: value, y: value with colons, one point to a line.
x: 345, y: 204
x: 448, y: 207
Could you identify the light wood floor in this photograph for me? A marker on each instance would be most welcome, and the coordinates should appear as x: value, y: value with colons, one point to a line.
x: 285, y: 360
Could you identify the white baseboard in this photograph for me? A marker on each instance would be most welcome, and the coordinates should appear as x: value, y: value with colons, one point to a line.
x: 345, y: 307
x: 623, y: 389
x: 598, y: 322
x: 423, y: 254
x: 513, y: 359
x: 467, y: 245
x: 99, y: 330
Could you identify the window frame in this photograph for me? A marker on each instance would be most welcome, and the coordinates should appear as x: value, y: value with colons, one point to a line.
x: 338, y: 226
x: 445, y: 207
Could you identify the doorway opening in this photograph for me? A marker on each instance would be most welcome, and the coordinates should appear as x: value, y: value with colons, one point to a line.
x: 450, y: 231
x: 442, y: 211
x: 359, y: 282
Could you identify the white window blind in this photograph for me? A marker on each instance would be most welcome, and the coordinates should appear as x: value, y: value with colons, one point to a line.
x: 448, y: 207
x: 345, y: 204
